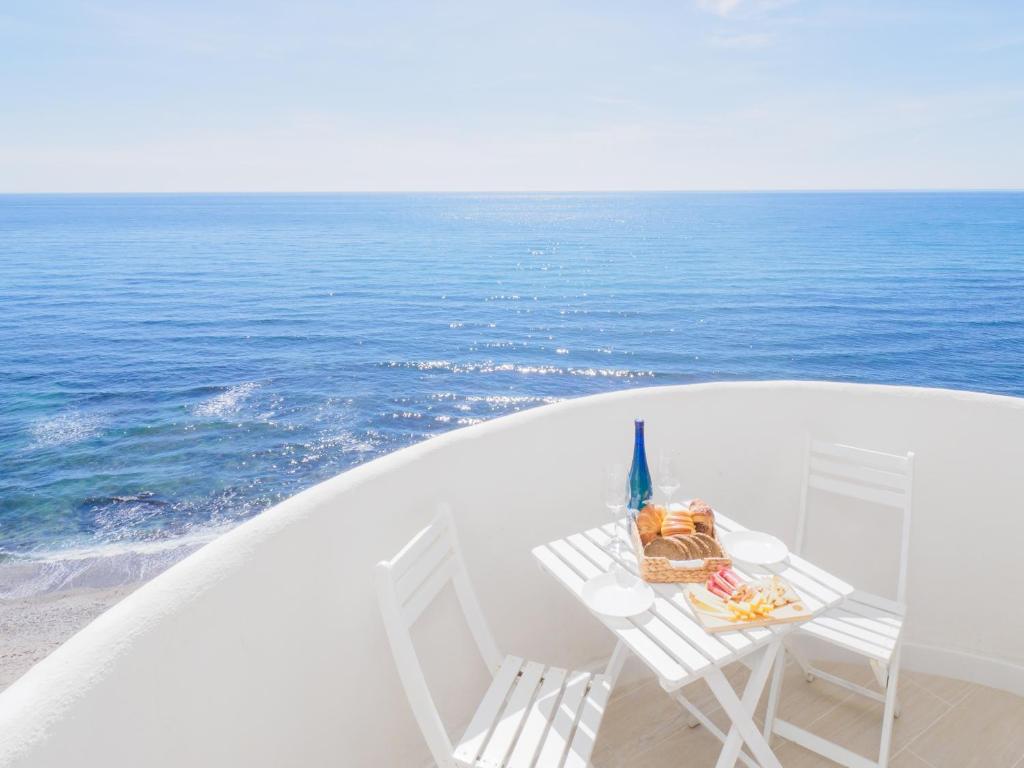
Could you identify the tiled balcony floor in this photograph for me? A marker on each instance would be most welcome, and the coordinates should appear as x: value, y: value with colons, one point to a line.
x: 944, y: 724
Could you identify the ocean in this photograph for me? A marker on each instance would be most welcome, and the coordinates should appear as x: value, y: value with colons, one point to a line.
x: 172, y: 364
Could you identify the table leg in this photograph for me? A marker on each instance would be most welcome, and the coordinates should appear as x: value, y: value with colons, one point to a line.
x: 699, y: 718
x: 741, y: 712
x: 614, y: 666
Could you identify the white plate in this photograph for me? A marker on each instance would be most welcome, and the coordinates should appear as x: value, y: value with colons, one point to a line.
x: 754, y: 547
x: 618, y: 594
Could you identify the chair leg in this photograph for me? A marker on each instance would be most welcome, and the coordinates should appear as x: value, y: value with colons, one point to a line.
x: 801, y: 662
x: 888, y: 715
x: 881, y: 672
x: 774, y: 692
x: 836, y: 753
x: 882, y: 676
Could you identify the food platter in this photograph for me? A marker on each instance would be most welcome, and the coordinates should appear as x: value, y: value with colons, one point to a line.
x: 727, y: 602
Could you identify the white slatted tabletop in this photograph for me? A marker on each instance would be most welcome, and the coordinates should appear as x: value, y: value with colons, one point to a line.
x: 668, y: 637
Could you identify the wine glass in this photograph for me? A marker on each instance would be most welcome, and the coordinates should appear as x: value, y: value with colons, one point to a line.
x: 615, y: 500
x: 668, y: 478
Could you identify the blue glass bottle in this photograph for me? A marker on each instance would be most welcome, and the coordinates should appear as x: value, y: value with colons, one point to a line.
x: 639, y: 488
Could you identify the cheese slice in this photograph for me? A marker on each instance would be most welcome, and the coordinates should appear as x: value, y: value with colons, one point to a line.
x: 705, y: 601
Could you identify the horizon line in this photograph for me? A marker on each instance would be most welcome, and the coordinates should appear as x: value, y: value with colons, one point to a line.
x: 735, y: 190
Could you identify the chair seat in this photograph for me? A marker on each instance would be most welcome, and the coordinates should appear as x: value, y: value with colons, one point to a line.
x: 864, y: 623
x: 533, y: 714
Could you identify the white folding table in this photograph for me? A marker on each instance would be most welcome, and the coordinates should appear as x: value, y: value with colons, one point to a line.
x: 669, y: 639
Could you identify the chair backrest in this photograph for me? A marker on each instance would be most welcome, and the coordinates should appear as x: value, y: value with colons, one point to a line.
x: 406, y: 585
x: 866, y: 475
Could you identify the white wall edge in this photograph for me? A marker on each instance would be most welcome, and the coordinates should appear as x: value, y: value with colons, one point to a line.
x: 203, y: 626
x: 963, y: 665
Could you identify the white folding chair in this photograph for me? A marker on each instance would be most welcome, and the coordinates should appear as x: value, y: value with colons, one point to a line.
x: 531, y: 714
x: 866, y: 624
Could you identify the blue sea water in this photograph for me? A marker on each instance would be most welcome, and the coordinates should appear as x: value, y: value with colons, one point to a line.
x: 172, y: 364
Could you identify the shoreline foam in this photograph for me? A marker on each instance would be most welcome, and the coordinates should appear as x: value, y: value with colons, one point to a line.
x: 47, y: 598
x: 102, y: 567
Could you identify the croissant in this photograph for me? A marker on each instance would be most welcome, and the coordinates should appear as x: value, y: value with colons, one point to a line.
x: 648, y: 523
x: 678, y: 522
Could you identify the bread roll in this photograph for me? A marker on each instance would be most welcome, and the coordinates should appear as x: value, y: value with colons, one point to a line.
x: 648, y: 523
x: 677, y: 523
x: 703, y: 517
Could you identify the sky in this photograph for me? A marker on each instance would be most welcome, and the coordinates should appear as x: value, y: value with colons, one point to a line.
x: 307, y: 95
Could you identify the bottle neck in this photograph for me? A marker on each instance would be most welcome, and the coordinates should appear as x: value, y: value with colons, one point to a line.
x: 638, y: 439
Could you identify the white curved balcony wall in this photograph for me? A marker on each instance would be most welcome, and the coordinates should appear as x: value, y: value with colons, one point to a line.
x: 266, y: 648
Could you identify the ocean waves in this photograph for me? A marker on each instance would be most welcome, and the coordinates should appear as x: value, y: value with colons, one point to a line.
x: 226, y: 403
x: 175, y: 365
x: 64, y: 429
x: 491, y: 367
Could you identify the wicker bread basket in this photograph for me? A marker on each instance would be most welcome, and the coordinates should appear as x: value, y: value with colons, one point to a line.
x: 661, y: 571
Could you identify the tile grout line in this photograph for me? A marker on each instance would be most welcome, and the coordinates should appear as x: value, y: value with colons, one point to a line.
x: 908, y: 750
x: 916, y: 735
x: 924, y: 731
x: 660, y: 733
x: 924, y: 727
x: 831, y: 709
x: 968, y: 692
x: 645, y: 742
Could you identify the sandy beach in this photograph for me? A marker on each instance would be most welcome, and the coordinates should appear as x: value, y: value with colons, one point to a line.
x: 44, y: 602
x: 32, y: 627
